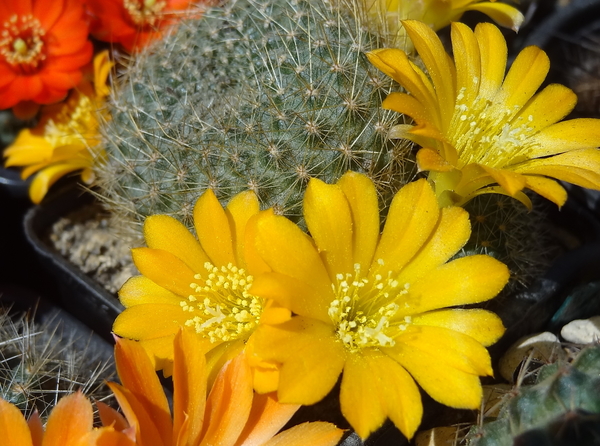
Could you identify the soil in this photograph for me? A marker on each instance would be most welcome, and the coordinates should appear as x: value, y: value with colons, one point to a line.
x: 86, y: 239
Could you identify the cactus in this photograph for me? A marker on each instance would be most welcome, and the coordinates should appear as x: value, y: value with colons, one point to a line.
x: 40, y: 363
x: 256, y: 94
x: 562, y: 407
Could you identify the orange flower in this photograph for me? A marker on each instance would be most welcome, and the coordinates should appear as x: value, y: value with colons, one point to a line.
x: 232, y: 415
x: 43, y: 48
x: 69, y: 424
x: 133, y: 23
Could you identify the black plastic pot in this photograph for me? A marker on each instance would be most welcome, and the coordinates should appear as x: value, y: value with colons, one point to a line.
x: 82, y: 296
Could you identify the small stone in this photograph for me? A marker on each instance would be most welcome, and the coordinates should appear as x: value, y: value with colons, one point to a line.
x: 582, y: 331
x: 543, y: 347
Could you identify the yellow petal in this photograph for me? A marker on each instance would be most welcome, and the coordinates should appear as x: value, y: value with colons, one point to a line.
x: 429, y: 159
x: 503, y: 14
x: 239, y: 210
x: 455, y: 349
x: 147, y: 321
x: 493, y: 52
x: 70, y: 420
x: 137, y: 374
x: 166, y: 233
x: 483, y: 326
x: 364, y: 208
x: 316, y: 433
x: 451, y: 233
x: 213, y: 230
x: 395, y: 63
x: 189, y: 389
x: 463, y: 281
x: 366, y: 402
x: 408, y: 105
x: 164, y: 269
x: 436, y: 60
x: 290, y: 252
x: 141, y: 290
x: 329, y: 222
x: 267, y: 417
x: 525, y: 76
x: 547, y: 107
x: 412, y: 216
x: 547, y: 188
x: 311, y: 356
x: 291, y: 293
x: 46, y: 178
x: 229, y: 403
x: 512, y: 182
x: 13, y: 427
x: 467, y: 60
x: 564, y: 136
x: 28, y: 149
x: 580, y: 167
x: 443, y: 383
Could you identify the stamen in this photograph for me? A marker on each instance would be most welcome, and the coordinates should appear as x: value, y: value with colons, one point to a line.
x: 363, y: 309
x: 146, y: 13
x: 22, y: 43
x: 223, y: 308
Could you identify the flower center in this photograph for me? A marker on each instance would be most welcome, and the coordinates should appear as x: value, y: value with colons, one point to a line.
x: 75, y: 124
x: 222, y: 308
x: 22, y: 43
x: 364, y: 307
x: 145, y: 13
x: 485, y: 132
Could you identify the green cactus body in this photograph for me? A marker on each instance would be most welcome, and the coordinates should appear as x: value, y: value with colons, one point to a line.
x: 259, y: 95
x: 534, y: 414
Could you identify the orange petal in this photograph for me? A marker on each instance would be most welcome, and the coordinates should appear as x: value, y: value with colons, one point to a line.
x: 267, y: 417
x: 110, y: 417
x: 229, y: 404
x: 69, y: 421
x: 137, y: 374
x: 213, y: 230
x: 13, y: 427
x: 189, y: 389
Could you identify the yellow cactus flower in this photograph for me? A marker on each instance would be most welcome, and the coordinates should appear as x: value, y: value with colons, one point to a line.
x: 231, y: 415
x: 66, y: 138
x: 482, y: 132
x: 387, y: 15
x: 379, y: 307
x: 201, y: 284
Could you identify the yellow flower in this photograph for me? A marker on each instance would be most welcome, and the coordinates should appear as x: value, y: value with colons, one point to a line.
x: 232, y: 415
x: 199, y: 284
x: 377, y: 306
x: 66, y: 139
x: 482, y: 132
x: 69, y: 424
x: 387, y: 14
